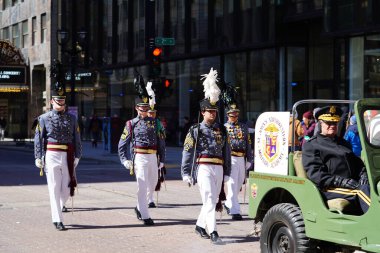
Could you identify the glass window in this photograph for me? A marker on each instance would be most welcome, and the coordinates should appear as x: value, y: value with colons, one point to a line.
x: 43, y: 28
x: 7, y: 4
x: 372, y: 125
x: 25, y: 33
x: 34, y: 30
x: 261, y: 83
x: 372, y: 66
x: 16, y: 35
x: 6, y: 35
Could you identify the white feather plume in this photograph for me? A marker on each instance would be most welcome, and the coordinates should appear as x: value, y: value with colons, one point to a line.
x: 211, y: 89
x: 152, y: 96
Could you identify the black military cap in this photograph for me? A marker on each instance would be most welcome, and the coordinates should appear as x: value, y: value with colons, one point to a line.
x: 329, y: 114
x: 232, y: 108
x: 206, y: 105
x: 58, y: 91
x: 142, y: 101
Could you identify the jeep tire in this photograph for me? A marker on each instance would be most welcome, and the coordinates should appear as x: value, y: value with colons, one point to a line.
x: 283, y: 230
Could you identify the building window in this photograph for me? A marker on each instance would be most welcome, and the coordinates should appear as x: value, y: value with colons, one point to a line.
x: 25, y: 33
x: 34, y: 30
x: 7, y: 4
x: 16, y: 35
x: 6, y: 33
x: 43, y: 28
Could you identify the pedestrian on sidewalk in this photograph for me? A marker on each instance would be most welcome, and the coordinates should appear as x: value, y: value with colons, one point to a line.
x: 57, y: 149
x: 139, y: 145
x: 95, y: 130
x: 241, y: 153
x: 207, y: 144
x: 3, y: 125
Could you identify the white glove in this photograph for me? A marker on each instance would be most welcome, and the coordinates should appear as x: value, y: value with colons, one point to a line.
x: 39, y: 163
x: 128, y: 164
x: 188, y: 180
x: 161, y: 166
x: 248, y: 165
x: 226, y: 178
x: 76, y: 161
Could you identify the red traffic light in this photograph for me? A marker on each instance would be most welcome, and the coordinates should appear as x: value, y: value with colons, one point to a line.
x: 157, y: 51
x: 168, y: 83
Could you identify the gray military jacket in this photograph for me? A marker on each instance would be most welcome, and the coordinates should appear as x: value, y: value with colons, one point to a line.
x: 57, y: 127
x: 141, y: 133
x: 212, y: 141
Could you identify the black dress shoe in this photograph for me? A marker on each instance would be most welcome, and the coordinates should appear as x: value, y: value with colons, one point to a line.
x: 148, y: 222
x: 202, y: 232
x: 61, y: 227
x: 138, y: 214
x: 215, y: 238
x: 236, y: 216
x: 152, y: 205
x: 227, y: 209
x: 64, y: 209
x: 55, y: 224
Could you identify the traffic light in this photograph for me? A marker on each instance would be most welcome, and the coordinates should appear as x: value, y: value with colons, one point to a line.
x: 167, y: 86
x: 154, y: 56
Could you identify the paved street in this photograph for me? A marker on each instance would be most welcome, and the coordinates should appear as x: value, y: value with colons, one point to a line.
x: 103, y: 219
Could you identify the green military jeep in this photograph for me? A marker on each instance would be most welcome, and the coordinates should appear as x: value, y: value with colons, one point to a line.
x: 293, y: 215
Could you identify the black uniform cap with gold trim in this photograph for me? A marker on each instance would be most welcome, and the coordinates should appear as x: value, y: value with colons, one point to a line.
x: 57, y: 75
x: 205, y: 104
x: 329, y: 114
x: 58, y: 91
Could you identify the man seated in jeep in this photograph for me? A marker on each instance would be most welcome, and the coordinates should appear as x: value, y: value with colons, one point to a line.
x: 330, y: 163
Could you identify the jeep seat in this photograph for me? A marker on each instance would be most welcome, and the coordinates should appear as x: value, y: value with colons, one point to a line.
x: 338, y: 204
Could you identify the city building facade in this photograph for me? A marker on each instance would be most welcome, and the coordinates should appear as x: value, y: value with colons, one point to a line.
x: 275, y: 51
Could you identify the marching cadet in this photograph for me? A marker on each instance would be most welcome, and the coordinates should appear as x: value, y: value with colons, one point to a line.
x: 139, y: 146
x: 241, y: 153
x: 207, y: 144
x: 57, y: 149
x: 332, y: 165
x: 152, y: 113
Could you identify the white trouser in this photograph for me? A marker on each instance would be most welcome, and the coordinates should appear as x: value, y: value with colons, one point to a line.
x: 2, y: 133
x: 209, y: 179
x: 153, y: 179
x: 235, y: 183
x: 146, y: 171
x: 58, y: 179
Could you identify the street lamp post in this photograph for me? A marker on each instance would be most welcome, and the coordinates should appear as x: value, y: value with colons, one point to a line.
x: 76, y: 49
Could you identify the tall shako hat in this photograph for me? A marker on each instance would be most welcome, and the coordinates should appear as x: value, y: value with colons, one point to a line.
x: 152, y: 97
x: 141, y: 90
x: 229, y: 93
x: 57, y: 74
x: 211, y: 91
x: 329, y: 114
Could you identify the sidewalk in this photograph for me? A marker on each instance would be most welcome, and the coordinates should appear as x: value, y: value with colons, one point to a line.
x: 173, y: 154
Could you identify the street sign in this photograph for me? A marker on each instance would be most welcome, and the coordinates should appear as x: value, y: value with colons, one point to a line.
x: 161, y: 41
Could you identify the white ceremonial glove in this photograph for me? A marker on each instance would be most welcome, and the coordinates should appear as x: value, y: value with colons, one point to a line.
x: 188, y: 180
x: 128, y: 164
x: 226, y: 178
x: 76, y: 161
x: 39, y: 163
x: 161, y: 166
x: 248, y: 165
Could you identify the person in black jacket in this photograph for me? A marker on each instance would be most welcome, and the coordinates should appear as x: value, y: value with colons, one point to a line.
x: 330, y: 163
